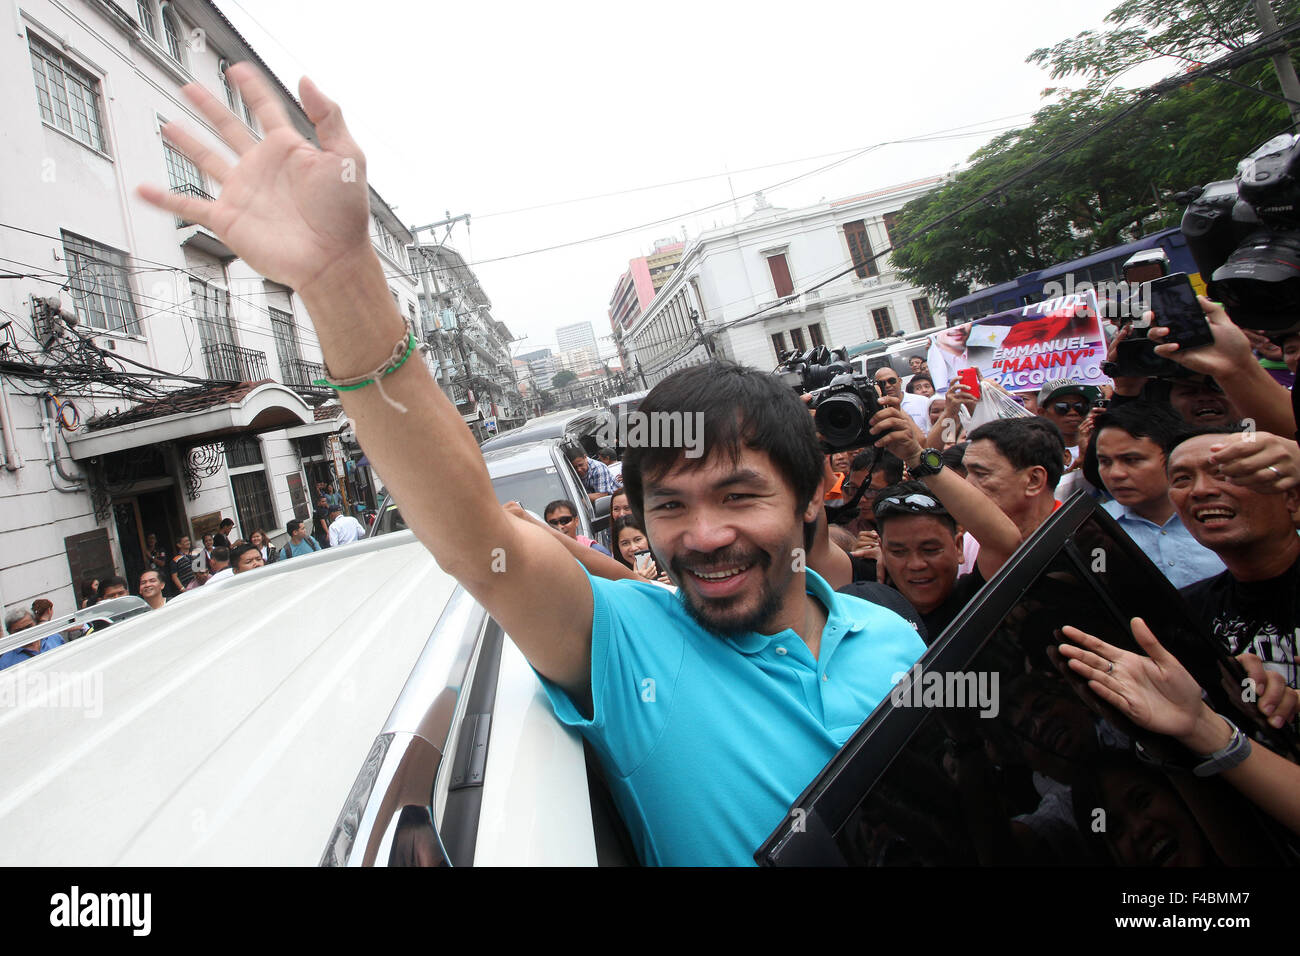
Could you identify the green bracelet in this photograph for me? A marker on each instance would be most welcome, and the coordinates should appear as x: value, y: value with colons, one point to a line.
x: 398, y: 359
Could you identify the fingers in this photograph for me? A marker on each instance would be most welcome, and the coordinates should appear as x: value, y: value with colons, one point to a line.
x: 209, y: 160
x: 1153, y: 648
x: 259, y: 97
x: 1094, y: 644
x: 231, y: 128
x: 328, y: 118
x: 1278, y: 702
x: 186, y: 207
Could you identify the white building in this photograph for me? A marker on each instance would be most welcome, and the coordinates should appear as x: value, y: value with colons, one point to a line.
x: 579, y: 335
x: 747, y: 290
x: 244, y: 433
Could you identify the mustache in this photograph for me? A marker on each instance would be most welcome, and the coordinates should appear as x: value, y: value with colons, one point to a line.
x: 720, y: 558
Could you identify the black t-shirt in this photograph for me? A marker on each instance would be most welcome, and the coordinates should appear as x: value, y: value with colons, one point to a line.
x: 888, y: 598
x: 967, y: 587
x: 183, y: 569
x: 1257, y: 617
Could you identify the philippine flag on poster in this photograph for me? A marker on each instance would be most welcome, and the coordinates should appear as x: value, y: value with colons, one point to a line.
x: 1024, y: 348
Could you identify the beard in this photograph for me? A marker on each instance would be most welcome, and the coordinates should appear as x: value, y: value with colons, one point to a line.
x: 740, y: 614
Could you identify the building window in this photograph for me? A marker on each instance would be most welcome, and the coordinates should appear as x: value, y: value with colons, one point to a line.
x: 815, y: 333
x: 212, y: 312
x: 864, y: 265
x: 796, y: 340
x: 286, y: 342
x: 144, y: 13
x: 222, y: 66
x: 780, y: 275
x: 891, y: 227
x: 97, y: 276
x: 253, y: 501
x: 172, y: 34
x: 778, y: 343
x: 924, y: 315
x: 249, y: 120
x: 183, y: 175
x: 884, y: 327
x: 68, y: 96
x: 242, y: 451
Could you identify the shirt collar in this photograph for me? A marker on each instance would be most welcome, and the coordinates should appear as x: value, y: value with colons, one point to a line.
x: 837, y: 623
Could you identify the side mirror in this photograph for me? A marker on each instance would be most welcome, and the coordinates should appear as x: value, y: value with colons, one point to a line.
x: 601, y: 520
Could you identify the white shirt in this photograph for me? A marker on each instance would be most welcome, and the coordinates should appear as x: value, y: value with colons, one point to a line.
x: 226, y: 572
x: 345, y: 530
x: 917, y: 408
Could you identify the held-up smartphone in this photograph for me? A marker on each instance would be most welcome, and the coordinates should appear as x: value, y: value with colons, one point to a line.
x: 643, y: 559
x: 1173, y: 301
x: 970, y: 380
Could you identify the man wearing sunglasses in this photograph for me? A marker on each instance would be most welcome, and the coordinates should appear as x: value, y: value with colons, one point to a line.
x: 917, y: 407
x: 1066, y: 403
x: 563, y: 517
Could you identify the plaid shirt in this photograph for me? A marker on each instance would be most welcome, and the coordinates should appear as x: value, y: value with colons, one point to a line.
x: 599, y: 479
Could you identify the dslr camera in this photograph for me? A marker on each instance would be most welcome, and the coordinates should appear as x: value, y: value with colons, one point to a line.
x: 842, y: 402
x: 1244, y: 234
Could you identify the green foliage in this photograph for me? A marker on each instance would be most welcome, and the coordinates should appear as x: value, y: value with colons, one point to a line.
x: 1120, y: 182
x: 563, y: 378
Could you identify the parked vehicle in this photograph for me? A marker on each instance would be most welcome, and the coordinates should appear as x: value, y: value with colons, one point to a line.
x: 78, y: 624
x: 349, y: 707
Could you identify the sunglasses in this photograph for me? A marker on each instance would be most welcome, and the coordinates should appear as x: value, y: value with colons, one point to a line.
x: 559, y: 522
x: 886, y: 381
x: 1064, y: 408
x: 913, y: 504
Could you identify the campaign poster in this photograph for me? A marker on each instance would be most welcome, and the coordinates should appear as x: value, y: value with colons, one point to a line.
x: 1023, y: 349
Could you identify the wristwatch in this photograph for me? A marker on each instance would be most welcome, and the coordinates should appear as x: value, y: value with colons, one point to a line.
x: 1233, y: 754
x: 930, y: 463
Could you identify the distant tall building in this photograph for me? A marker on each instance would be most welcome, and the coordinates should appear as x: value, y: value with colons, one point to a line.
x: 580, y: 335
x: 636, y: 288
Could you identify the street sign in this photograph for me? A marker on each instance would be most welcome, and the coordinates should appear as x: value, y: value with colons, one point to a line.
x: 491, y: 425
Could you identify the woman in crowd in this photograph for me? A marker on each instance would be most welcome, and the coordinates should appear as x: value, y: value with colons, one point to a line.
x: 260, y: 541
x: 42, y: 610
x: 89, y: 593
x: 629, y: 538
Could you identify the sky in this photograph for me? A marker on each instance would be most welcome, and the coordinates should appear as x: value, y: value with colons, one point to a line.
x: 496, y: 108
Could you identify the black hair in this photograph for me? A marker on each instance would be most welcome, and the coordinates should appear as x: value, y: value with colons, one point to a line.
x: 573, y: 451
x: 890, y: 464
x: 238, y: 551
x: 293, y: 525
x: 227, y: 521
x: 1141, y: 419
x: 113, y: 582
x: 220, y: 553
x: 557, y: 504
x: 863, y: 459
x: 955, y: 456
x: 627, y: 521
x: 902, y: 489
x: 1026, y: 442
x: 741, y: 407
x: 919, y: 377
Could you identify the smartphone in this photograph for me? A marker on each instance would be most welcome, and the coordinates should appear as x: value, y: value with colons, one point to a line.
x: 643, y: 559
x: 1173, y: 301
x: 970, y: 380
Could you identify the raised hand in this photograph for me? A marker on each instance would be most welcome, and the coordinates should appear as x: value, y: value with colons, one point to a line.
x: 1229, y: 351
x: 291, y: 210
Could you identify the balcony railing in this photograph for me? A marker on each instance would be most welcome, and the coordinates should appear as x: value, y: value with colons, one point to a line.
x: 230, y: 363
x: 301, y: 375
x: 186, y: 189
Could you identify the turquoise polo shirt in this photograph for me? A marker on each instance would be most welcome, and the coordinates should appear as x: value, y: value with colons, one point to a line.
x: 707, y: 741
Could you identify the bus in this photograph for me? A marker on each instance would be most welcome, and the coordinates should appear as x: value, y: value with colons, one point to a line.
x: 1100, y: 269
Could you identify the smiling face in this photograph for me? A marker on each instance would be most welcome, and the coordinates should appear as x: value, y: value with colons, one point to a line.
x: 1225, y: 517
x: 562, y: 519
x: 953, y: 340
x: 618, y: 507
x: 921, y: 556
x: 923, y: 387
x: 150, y: 585
x: 726, y: 531
x: 580, y: 465
x: 1199, y: 404
x: 1146, y: 824
x: 1132, y: 469
x: 630, y: 541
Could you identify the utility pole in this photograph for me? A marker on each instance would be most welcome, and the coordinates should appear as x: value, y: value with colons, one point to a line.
x: 1286, y: 75
x: 642, y: 374
x: 426, y: 267
x: 708, y: 342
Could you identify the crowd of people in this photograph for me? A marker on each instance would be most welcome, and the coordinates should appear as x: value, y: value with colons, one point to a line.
x: 185, y: 568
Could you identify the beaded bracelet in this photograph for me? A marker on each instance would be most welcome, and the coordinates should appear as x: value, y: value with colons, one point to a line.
x: 401, y: 352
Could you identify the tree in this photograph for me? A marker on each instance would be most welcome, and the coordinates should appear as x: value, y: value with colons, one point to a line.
x: 563, y: 378
x: 1119, y: 182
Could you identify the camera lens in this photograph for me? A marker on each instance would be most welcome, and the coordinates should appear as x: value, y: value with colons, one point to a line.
x: 840, y: 419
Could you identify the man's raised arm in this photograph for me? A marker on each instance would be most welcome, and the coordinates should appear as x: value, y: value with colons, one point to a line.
x: 300, y: 215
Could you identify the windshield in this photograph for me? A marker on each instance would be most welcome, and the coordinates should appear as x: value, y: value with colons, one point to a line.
x: 533, y: 489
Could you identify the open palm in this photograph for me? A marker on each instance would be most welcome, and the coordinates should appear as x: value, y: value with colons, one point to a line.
x: 290, y: 210
x: 1155, y: 692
